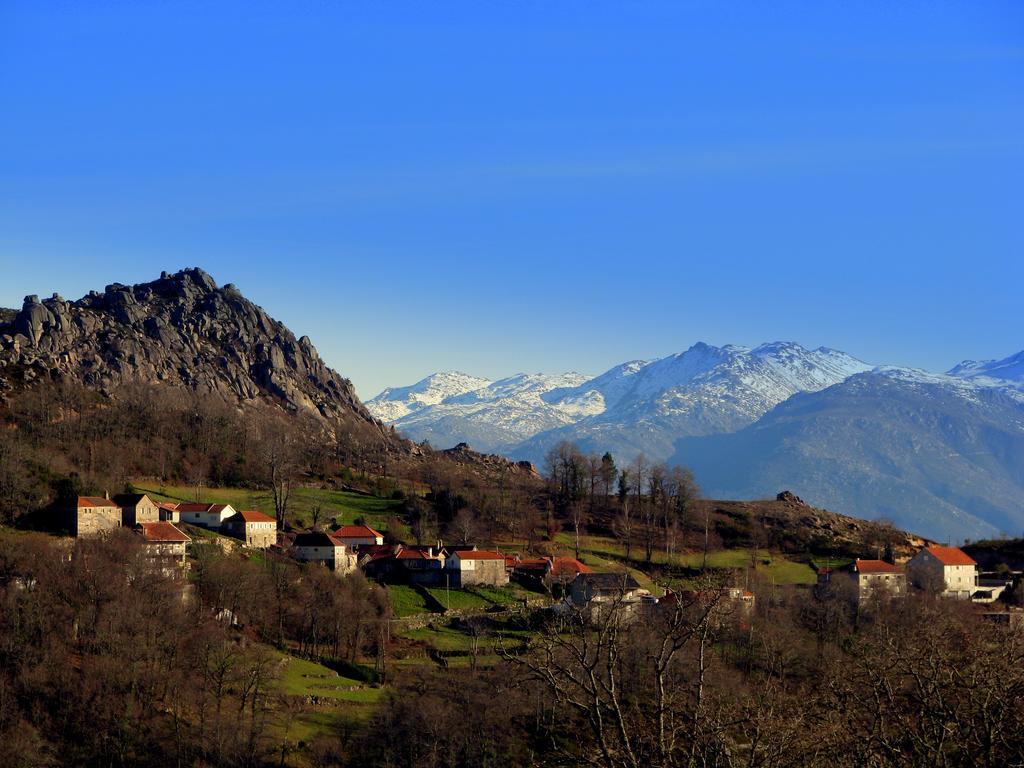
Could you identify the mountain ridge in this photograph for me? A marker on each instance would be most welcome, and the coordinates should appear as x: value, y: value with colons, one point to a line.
x: 182, y: 330
x: 703, y: 389
x: 936, y: 454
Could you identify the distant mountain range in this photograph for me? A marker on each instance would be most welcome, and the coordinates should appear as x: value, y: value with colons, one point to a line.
x: 940, y: 454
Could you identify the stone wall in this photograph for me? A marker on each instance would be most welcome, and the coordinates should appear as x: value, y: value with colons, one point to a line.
x: 90, y: 522
x: 486, y: 572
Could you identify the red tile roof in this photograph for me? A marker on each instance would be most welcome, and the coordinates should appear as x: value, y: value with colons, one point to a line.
x: 479, y: 555
x: 565, y: 565
x: 94, y: 501
x: 358, y: 532
x: 191, y: 506
x: 250, y: 516
x: 168, y: 506
x: 416, y: 554
x: 951, y: 556
x: 876, y: 566
x: 161, y: 531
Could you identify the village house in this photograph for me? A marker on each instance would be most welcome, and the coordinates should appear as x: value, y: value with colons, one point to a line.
x: 91, y: 515
x: 875, y: 579
x: 359, y: 536
x: 422, y: 565
x: 551, y: 573
x: 210, y: 516
x: 603, y: 587
x: 163, y: 540
x: 136, y: 508
x: 255, y: 529
x: 320, y: 547
x: 169, y: 512
x: 412, y: 564
x: 948, y: 570
x: 476, y: 567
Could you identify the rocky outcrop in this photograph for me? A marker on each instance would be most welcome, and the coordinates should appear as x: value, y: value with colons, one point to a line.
x: 463, y: 454
x: 180, y: 330
x: 792, y: 525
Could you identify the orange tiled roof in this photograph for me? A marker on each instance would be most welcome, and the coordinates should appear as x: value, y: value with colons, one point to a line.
x: 562, y: 565
x: 191, y: 506
x: 250, y: 516
x: 94, y: 501
x: 416, y: 554
x: 161, y: 531
x: 479, y: 555
x: 876, y: 566
x: 951, y: 556
x: 357, y: 532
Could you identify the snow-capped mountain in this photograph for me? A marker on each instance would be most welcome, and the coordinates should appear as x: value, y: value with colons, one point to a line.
x: 394, y: 403
x: 449, y: 408
x: 940, y: 454
x: 1009, y: 370
x: 704, y: 390
x: 636, y: 406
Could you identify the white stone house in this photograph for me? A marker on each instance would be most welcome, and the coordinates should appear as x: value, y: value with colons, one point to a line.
x: 207, y: 515
x: 320, y: 547
x: 876, y: 579
x: 950, y: 570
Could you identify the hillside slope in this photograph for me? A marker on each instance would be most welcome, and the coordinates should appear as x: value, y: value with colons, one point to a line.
x: 938, y: 455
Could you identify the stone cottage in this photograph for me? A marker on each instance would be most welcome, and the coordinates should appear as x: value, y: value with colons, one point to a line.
x: 476, y: 567
x: 875, y: 579
x: 92, y: 515
x: 137, y: 508
x: 255, y: 529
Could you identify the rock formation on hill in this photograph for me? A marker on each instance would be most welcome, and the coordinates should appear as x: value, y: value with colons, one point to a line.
x: 180, y: 330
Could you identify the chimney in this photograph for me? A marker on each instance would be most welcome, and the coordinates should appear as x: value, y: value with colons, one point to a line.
x: 106, y: 495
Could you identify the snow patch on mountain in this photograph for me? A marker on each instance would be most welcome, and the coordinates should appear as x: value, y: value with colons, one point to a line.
x: 703, y: 390
x: 448, y: 408
x: 1009, y: 370
x: 394, y: 403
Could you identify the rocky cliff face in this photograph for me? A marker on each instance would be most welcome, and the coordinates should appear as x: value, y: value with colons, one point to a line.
x: 180, y: 330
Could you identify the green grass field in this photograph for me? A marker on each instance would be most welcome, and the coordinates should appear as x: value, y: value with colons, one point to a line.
x: 459, y: 599
x: 344, y: 505
x: 603, y: 553
x: 406, y: 601
x: 300, y: 677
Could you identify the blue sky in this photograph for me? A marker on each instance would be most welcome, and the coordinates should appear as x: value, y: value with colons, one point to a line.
x: 544, y: 186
